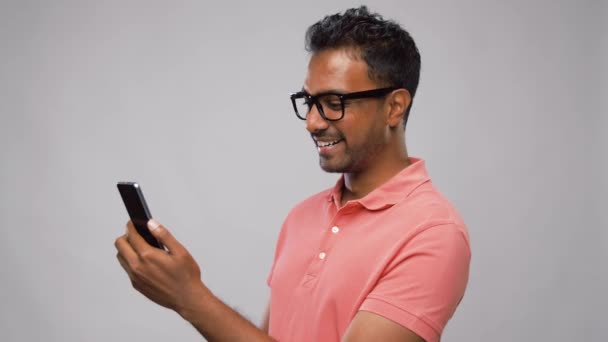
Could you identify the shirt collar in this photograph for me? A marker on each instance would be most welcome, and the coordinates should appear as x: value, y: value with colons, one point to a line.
x: 399, y: 187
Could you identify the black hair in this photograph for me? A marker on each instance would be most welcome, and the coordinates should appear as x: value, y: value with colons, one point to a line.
x: 391, y: 55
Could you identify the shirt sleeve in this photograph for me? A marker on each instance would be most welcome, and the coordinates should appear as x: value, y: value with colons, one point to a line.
x: 425, y: 281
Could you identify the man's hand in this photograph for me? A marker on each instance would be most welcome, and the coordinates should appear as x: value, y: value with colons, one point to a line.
x: 169, y: 278
x: 173, y: 279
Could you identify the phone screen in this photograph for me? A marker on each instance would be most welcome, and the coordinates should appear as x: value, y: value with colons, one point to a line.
x: 137, y: 208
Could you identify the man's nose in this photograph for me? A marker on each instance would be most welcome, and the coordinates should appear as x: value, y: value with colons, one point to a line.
x: 314, y: 121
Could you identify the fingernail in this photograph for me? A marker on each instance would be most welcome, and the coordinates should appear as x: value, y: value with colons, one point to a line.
x: 153, y: 224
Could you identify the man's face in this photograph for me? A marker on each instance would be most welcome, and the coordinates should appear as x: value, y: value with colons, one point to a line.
x: 362, y: 132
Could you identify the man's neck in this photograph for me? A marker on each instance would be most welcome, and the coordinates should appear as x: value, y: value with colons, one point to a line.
x: 357, y: 185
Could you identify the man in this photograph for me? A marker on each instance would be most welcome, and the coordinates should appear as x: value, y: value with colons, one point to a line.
x: 382, y: 256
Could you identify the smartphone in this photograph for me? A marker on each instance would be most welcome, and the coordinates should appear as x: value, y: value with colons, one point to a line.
x: 138, y: 210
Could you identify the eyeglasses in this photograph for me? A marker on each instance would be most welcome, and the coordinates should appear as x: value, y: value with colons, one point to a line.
x: 330, y: 104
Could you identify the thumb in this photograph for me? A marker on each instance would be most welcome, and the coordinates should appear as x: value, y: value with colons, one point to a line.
x: 162, y: 234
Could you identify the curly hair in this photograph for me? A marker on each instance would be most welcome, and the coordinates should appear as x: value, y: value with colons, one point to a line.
x: 389, y: 51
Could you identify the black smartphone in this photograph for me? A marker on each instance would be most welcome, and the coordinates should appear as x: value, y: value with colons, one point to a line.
x: 138, y: 210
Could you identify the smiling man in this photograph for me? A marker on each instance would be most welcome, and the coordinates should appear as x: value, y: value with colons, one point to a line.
x: 381, y: 256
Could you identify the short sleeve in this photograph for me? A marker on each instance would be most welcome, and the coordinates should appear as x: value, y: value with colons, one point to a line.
x: 424, y: 282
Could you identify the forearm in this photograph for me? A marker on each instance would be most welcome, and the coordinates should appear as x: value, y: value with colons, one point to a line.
x: 218, y: 323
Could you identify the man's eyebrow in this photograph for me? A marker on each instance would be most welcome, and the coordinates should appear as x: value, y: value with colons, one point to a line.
x: 329, y: 91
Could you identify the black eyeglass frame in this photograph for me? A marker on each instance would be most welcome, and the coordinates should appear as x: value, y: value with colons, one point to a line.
x: 314, y: 99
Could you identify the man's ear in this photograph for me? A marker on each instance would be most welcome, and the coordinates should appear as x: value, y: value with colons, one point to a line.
x: 399, y: 102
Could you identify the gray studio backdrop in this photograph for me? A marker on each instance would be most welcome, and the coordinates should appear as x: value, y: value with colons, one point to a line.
x: 191, y: 100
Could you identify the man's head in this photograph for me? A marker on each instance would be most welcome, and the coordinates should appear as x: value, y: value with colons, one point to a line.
x: 388, y: 50
x: 357, y: 52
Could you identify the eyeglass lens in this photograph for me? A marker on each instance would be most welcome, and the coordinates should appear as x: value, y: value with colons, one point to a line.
x: 331, y: 105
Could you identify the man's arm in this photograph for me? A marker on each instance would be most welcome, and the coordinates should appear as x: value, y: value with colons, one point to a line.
x: 172, y: 279
x: 218, y: 322
x: 368, y: 326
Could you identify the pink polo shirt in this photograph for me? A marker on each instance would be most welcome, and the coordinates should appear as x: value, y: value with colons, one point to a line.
x: 401, y: 252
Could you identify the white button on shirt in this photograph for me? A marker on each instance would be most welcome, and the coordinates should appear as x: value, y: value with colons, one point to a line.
x: 322, y: 255
x: 335, y: 229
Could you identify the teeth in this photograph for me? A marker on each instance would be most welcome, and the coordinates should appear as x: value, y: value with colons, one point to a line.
x: 325, y: 144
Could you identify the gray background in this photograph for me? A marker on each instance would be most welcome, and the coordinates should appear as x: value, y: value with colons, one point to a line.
x: 190, y: 99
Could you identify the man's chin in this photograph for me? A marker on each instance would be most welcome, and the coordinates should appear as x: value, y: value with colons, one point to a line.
x: 331, y: 168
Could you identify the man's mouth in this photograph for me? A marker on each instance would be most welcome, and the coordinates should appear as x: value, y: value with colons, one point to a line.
x: 327, y: 143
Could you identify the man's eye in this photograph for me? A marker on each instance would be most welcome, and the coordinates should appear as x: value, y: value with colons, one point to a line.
x: 334, y: 105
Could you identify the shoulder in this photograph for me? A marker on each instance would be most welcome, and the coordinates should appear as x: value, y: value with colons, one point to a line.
x: 432, y: 209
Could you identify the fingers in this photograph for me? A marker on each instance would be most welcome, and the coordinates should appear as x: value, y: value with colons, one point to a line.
x: 124, y: 248
x: 125, y: 266
x: 135, y: 281
x: 165, y: 237
x: 125, y: 251
x: 135, y: 240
